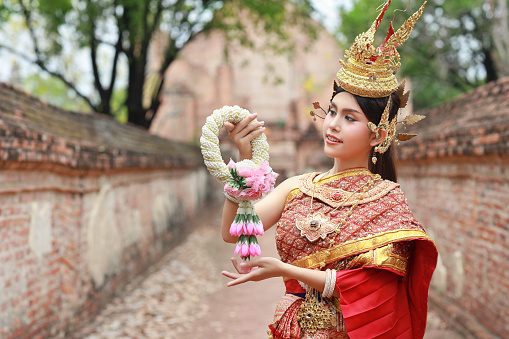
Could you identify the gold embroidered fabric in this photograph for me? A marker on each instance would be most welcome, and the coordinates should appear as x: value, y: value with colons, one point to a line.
x: 338, y: 196
x: 393, y: 255
x: 374, y: 223
x: 320, y: 259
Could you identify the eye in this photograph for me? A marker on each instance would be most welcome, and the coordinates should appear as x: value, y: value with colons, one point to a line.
x: 331, y: 111
x: 350, y: 118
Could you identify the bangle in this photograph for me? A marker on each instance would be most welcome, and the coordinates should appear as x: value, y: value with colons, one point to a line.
x: 330, y: 283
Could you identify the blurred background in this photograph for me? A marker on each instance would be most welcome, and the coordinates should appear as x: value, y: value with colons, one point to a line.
x: 102, y: 104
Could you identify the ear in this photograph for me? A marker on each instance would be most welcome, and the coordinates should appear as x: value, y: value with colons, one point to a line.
x: 382, y: 134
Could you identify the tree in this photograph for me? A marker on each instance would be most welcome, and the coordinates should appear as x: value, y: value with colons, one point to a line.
x: 116, y: 31
x: 54, y: 90
x: 455, y: 46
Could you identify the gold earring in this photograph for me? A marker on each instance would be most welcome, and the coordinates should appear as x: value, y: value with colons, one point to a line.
x: 373, y: 159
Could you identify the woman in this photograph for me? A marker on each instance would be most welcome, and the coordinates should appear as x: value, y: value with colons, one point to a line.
x: 355, y: 262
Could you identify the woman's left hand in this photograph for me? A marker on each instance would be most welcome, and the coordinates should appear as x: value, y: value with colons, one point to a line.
x: 254, y: 270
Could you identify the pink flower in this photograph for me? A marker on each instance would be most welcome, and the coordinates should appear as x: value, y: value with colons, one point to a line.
x: 249, y: 194
x: 246, y: 171
x: 259, y: 228
x: 231, y: 164
x: 242, y: 229
x: 244, y: 250
x: 259, y: 180
x: 264, y: 167
x: 237, y: 248
x: 254, y: 249
x: 236, y: 229
x: 231, y: 190
x: 250, y: 228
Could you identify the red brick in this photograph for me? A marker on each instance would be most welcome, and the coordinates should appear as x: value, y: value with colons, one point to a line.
x: 474, y: 225
x: 17, y: 333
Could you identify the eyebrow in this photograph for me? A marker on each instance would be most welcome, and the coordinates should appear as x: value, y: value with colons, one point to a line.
x: 351, y: 110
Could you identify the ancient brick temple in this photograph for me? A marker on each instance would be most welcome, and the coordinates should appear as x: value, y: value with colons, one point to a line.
x: 211, y: 72
x: 456, y: 177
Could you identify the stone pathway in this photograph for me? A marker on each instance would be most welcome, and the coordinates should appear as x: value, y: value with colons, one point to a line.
x: 184, y: 296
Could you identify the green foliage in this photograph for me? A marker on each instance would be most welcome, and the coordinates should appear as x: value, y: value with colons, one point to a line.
x: 54, y: 11
x: 119, y: 109
x: 449, y: 52
x: 275, y: 19
x: 54, y: 92
x: 4, y: 12
x: 125, y: 29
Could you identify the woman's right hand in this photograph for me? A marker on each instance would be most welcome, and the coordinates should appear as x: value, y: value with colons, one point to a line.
x: 243, y: 133
x: 255, y: 270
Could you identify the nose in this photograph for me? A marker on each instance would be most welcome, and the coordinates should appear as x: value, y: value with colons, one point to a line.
x: 335, y: 123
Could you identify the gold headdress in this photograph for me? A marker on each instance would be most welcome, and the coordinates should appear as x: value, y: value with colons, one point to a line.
x: 371, y: 72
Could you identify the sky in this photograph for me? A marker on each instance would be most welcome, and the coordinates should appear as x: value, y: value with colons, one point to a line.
x: 329, y: 14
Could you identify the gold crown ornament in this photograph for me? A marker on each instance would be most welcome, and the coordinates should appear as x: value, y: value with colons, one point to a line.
x: 371, y: 72
x: 390, y: 126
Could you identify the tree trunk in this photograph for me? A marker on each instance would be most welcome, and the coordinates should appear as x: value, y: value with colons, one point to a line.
x: 500, y: 35
x: 489, y: 65
x: 134, y: 99
x: 104, y: 106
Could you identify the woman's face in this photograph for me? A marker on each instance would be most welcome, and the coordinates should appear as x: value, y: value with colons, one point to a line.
x: 345, y: 131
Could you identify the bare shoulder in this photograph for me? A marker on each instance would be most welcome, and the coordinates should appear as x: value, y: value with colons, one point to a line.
x: 278, y: 196
x: 269, y: 209
x: 295, y: 180
x: 290, y: 183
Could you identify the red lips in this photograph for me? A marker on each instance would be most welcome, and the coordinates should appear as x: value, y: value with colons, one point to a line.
x: 332, y: 140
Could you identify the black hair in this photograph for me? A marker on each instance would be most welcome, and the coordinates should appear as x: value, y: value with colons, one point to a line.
x: 373, y: 109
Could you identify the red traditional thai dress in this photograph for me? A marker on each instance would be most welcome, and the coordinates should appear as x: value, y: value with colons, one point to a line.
x: 383, y: 257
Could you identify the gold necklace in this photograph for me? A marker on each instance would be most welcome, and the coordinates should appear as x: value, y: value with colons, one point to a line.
x: 317, y: 225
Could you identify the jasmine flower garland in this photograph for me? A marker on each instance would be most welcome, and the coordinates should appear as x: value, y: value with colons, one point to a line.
x: 245, y: 181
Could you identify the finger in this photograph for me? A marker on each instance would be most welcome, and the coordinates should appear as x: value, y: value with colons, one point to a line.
x: 230, y: 275
x: 250, y: 263
x: 244, y: 122
x: 239, y: 269
x: 253, y: 135
x: 229, y: 126
x: 242, y: 279
x: 256, y: 126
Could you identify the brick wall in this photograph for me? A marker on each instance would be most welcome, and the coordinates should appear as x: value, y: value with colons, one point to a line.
x: 86, y: 204
x: 456, y: 177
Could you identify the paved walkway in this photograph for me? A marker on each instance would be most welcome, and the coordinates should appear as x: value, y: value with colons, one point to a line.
x: 184, y: 296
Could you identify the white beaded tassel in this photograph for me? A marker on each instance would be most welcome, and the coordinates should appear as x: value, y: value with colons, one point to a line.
x: 330, y: 283
x: 304, y: 286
